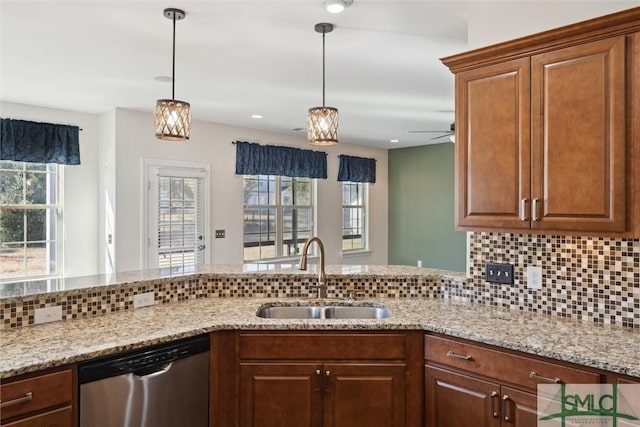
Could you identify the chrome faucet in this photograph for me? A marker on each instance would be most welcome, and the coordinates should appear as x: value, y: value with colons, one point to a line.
x: 322, y: 278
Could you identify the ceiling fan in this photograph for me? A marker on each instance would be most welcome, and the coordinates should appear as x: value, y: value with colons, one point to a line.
x: 450, y: 133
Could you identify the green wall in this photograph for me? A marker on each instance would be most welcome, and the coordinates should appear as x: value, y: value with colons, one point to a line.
x: 421, y: 203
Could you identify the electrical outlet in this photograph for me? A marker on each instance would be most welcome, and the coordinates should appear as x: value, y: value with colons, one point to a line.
x: 143, y: 300
x: 419, y: 263
x: 534, y: 277
x: 220, y: 234
x: 47, y: 314
x: 499, y: 273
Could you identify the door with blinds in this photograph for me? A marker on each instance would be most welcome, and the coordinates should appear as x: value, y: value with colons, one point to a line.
x: 177, y: 212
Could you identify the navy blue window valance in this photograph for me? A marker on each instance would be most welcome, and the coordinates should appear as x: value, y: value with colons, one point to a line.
x: 357, y: 169
x: 24, y: 141
x: 256, y: 159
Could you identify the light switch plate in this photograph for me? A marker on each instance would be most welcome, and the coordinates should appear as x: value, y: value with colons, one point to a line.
x: 143, y: 300
x: 47, y: 314
x: 499, y: 273
x: 534, y: 277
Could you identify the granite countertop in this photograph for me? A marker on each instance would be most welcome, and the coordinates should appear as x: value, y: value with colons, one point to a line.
x: 38, y: 347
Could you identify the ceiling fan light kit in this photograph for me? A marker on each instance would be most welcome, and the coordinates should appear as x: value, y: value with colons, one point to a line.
x: 172, y: 118
x: 322, y: 122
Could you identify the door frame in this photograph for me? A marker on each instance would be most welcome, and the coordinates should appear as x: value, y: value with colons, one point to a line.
x: 189, y: 168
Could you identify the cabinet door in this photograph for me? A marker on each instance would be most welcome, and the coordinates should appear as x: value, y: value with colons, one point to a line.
x: 62, y: 417
x: 518, y: 408
x: 578, y: 137
x: 493, y: 145
x: 364, y: 395
x: 454, y: 399
x: 280, y: 395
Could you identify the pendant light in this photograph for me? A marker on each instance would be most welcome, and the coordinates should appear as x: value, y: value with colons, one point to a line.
x: 322, y: 122
x: 172, y: 117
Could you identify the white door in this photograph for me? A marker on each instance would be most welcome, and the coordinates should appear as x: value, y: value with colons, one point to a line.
x: 177, y: 212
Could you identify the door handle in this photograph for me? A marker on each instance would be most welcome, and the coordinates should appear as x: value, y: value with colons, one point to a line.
x: 523, y: 209
x: 201, y: 247
x: 494, y: 412
x: 153, y: 371
x: 327, y: 387
x: 505, y: 413
x: 27, y: 397
x: 534, y: 209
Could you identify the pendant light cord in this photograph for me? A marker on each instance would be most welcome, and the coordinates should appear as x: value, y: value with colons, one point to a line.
x: 173, y: 69
x: 323, y: 33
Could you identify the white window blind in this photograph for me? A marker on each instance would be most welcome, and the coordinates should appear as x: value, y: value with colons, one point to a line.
x: 177, y: 214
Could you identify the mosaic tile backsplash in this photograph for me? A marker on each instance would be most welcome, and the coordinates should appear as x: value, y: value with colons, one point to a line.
x: 587, y: 278
x: 417, y: 283
x: 593, y: 279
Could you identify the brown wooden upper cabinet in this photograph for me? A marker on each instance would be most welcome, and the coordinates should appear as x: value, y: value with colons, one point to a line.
x: 545, y: 130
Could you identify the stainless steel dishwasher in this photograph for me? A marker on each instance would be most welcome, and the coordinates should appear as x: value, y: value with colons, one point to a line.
x: 162, y: 386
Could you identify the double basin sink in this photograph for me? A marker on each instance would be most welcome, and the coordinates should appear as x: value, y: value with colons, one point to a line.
x: 341, y: 311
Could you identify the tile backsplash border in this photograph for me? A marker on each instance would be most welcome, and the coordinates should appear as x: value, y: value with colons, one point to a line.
x: 595, y: 279
x: 19, y: 311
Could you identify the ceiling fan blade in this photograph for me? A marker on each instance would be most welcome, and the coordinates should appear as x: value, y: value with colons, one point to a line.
x: 442, y: 136
x: 427, y: 131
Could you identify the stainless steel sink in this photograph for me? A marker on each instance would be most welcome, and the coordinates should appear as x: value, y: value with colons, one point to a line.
x: 324, y: 312
x: 356, y: 312
x: 292, y: 312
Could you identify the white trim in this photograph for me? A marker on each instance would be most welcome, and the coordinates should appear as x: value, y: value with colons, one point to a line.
x: 353, y: 254
x: 184, y: 168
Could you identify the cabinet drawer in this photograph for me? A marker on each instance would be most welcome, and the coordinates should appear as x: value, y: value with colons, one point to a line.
x: 37, y: 393
x: 325, y: 346
x: 62, y: 417
x: 498, y: 364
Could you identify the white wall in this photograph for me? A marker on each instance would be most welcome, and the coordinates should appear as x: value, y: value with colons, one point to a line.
x: 494, y: 22
x: 212, y: 143
x: 80, y: 214
x: 107, y: 192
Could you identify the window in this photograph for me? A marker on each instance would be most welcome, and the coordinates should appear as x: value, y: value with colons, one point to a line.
x: 177, y: 212
x: 278, y: 216
x: 354, y: 224
x: 29, y: 220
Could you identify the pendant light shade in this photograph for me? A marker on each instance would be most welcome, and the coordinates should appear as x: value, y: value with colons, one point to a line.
x: 172, y: 118
x: 322, y: 122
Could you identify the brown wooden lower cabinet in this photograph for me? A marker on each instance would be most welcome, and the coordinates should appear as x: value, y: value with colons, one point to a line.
x: 322, y: 395
x: 457, y: 400
x: 40, y: 399
x: 62, y: 417
x: 518, y: 408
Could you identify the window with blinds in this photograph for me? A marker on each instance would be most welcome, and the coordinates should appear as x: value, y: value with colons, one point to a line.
x: 179, y: 223
x: 177, y: 212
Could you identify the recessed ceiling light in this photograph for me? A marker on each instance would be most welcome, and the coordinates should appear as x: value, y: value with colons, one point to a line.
x: 337, y: 6
x: 256, y: 116
x: 394, y: 140
x: 163, y: 79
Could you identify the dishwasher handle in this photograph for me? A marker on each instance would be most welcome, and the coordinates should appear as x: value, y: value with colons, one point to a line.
x: 152, y: 371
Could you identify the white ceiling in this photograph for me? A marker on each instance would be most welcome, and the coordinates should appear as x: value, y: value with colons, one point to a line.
x: 235, y: 58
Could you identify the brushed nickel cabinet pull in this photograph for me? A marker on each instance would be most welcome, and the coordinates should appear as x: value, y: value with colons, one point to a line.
x: 494, y: 413
x: 539, y: 378
x: 534, y: 209
x: 505, y: 413
x: 27, y: 397
x: 523, y: 209
x: 450, y: 353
